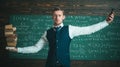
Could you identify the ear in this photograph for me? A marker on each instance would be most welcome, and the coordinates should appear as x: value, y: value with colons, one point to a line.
x: 63, y: 17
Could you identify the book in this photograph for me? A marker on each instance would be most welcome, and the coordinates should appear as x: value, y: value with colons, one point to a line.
x: 8, y: 33
x: 11, y: 38
x: 11, y: 44
x: 9, y: 26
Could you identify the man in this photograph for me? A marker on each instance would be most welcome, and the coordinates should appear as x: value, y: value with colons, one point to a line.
x: 59, y: 38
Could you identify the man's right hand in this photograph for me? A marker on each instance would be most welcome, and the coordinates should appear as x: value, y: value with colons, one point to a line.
x: 12, y: 49
x: 110, y: 17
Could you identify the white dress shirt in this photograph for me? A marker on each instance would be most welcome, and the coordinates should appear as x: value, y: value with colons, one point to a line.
x: 73, y: 32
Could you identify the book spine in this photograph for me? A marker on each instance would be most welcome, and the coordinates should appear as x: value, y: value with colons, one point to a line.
x: 10, y: 34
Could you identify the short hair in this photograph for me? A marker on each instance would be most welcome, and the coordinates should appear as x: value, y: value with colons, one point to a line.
x: 57, y: 9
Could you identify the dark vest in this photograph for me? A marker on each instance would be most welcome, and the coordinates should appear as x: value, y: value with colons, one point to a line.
x: 59, y: 43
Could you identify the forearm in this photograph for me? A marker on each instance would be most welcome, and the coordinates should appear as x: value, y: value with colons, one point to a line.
x: 32, y: 49
x: 96, y: 27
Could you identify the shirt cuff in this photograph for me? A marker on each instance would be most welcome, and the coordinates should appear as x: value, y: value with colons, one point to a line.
x: 19, y: 50
x: 106, y: 22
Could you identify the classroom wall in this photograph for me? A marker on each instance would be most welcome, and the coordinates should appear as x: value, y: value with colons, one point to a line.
x: 44, y: 7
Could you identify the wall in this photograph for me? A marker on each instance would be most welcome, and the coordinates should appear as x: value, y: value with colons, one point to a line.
x: 44, y: 7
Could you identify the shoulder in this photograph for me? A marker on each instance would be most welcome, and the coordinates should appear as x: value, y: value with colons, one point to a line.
x: 71, y: 26
x: 50, y: 29
x: 65, y: 27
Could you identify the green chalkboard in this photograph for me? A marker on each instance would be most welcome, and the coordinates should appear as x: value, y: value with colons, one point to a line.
x: 102, y: 45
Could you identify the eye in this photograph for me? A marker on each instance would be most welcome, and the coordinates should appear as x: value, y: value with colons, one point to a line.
x: 59, y: 15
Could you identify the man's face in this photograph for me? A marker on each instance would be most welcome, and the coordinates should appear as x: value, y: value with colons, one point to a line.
x: 58, y: 17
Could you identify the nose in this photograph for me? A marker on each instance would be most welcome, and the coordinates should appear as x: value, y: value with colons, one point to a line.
x: 56, y: 17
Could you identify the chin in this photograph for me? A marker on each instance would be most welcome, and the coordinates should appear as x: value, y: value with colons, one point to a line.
x: 57, y: 23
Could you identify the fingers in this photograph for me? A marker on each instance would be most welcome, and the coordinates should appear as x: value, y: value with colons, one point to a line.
x: 110, y: 17
x: 13, y: 49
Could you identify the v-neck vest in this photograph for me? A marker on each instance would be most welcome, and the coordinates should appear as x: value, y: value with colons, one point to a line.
x: 59, y: 42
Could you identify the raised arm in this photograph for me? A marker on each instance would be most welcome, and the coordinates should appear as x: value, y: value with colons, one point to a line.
x: 31, y: 49
x: 76, y: 31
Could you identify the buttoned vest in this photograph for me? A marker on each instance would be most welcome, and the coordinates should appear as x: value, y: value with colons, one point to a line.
x: 59, y: 42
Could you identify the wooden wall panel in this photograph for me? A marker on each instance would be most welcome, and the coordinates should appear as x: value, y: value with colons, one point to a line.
x: 77, y: 7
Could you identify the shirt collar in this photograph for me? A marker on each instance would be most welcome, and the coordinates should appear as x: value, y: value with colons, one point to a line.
x: 60, y: 25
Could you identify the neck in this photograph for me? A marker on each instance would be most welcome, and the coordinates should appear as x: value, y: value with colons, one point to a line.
x: 57, y: 25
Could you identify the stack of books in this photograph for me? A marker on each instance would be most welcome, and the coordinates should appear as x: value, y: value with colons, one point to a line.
x: 10, y: 34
